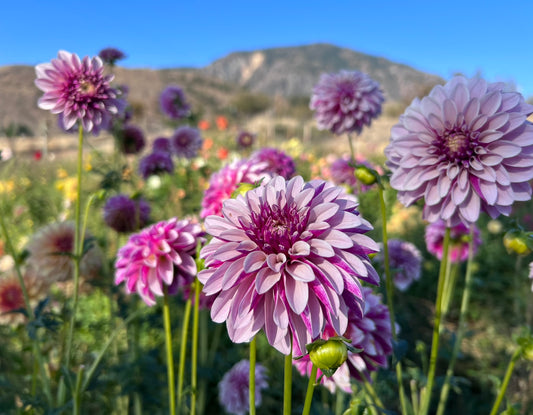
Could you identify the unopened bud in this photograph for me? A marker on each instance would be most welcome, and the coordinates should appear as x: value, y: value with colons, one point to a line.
x: 242, y: 189
x: 516, y: 241
x: 365, y: 175
x: 328, y: 355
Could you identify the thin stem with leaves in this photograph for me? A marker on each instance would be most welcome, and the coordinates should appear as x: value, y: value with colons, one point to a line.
x: 170, y: 357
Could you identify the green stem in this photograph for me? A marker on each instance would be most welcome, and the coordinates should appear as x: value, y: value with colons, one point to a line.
x: 77, y: 392
x: 352, y: 148
x: 426, y: 397
x: 77, y: 249
x: 251, y: 385
x: 339, y: 401
x: 461, y: 329
x: 287, y: 383
x: 505, y: 382
x: 170, y: 358
x: 194, y: 363
x: 310, y: 390
x: 372, y: 392
x: 389, y: 287
x: 183, y: 350
x: 449, y: 285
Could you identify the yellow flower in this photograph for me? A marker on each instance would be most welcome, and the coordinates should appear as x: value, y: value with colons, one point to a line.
x: 62, y: 173
x: 293, y: 147
x: 69, y: 187
x: 7, y: 186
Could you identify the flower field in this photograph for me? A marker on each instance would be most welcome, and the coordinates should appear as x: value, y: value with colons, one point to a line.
x: 214, y: 270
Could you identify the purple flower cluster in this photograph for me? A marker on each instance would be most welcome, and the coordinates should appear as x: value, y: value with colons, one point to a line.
x: 466, y: 148
x: 186, y: 142
x: 405, y: 262
x: 131, y: 139
x: 173, y: 103
x: 459, y: 240
x: 111, y: 55
x: 287, y: 257
x: 78, y: 90
x: 275, y: 161
x: 159, y: 258
x: 346, y: 101
x: 125, y: 215
x: 233, y: 389
x: 156, y: 163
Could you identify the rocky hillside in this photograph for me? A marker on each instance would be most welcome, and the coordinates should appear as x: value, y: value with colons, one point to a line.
x: 293, y: 71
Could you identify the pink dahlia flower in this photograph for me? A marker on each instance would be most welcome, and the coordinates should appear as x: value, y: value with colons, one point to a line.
x: 371, y: 332
x: 275, y: 161
x: 159, y: 255
x: 233, y: 389
x: 78, y: 90
x: 531, y: 273
x: 405, y: 262
x: 459, y: 240
x: 465, y: 148
x: 287, y: 257
x: 224, y: 182
x: 346, y: 101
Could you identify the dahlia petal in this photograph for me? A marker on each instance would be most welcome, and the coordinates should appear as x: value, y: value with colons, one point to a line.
x: 449, y: 112
x: 491, y: 102
x: 323, y: 212
x: 321, y: 248
x: 233, y: 273
x: 254, y: 261
x: 331, y: 273
x: 297, y: 293
x: 337, y: 239
x: 222, y: 305
x: 266, y: 279
x: 154, y: 282
x: 460, y: 96
x: 489, y: 136
x: 505, y: 149
x: 300, y: 271
x: 300, y: 248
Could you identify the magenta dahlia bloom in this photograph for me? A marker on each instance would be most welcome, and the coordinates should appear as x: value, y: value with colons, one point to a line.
x: 277, y: 161
x: 465, y: 148
x: 224, y: 182
x: 531, y: 273
x: 111, y: 55
x: 233, y: 389
x: 287, y: 257
x: 245, y: 139
x: 186, y: 142
x: 405, y: 262
x: 459, y: 240
x: 162, y: 144
x: 173, y: 103
x: 156, y: 163
x: 345, y: 102
x: 77, y: 89
x: 124, y: 214
x: 371, y: 332
x: 160, y: 255
x: 131, y: 139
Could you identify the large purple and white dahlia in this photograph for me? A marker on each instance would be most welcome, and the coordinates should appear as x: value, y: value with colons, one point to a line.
x: 287, y: 257
x: 465, y: 148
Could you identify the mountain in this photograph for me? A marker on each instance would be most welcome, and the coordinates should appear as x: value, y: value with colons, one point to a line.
x: 282, y: 72
x: 293, y: 71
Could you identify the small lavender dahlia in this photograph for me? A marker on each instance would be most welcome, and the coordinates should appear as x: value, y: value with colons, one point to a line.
x: 186, y: 142
x: 77, y: 89
x: 277, y: 161
x: 233, y: 389
x: 111, y: 55
x: 371, y: 332
x: 124, y: 214
x: 159, y: 257
x: 465, y: 148
x: 345, y: 102
x: 156, y: 163
x: 405, y: 262
x: 223, y: 183
x: 459, y: 240
x: 162, y: 144
x: 245, y: 139
x: 173, y: 103
x: 287, y: 257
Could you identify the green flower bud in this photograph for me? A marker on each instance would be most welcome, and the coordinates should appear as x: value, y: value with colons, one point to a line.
x: 516, y: 242
x: 365, y: 175
x: 242, y: 189
x: 328, y: 355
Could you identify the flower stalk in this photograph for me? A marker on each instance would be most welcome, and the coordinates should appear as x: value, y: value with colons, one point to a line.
x: 310, y: 390
x: 170, y: 358
x: 251, y: 384
x: 503, y: 388
x: 194, y: 362
x: 287, y: 383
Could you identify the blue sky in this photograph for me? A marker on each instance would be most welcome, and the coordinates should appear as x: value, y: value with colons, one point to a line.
x: 494, y: 38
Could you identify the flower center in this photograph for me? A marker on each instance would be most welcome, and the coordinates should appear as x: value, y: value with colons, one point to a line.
x: 86, y: 87
x: 11, y: 298
x: 457, y: 145
x: 64, y: 243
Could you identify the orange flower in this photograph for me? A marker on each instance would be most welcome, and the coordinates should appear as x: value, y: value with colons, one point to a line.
x: 208, y: 143
x: 222, y: 123
x: 204, y: 125
x: 222, y: 153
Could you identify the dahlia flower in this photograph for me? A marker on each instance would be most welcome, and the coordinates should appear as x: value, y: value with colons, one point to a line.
x: 459, y: 240
x: 466, y: 148
x: 233, y: 389
x: 287, y: 257
x: 371, y: 332
x: 277, y: 161
x: 111, y: 55
x: 131, y: 139
x: 224, y: 182
x: 245, y: 139
x: 49, y: 251
x: 186, y: 142
x: 156, y: 163
x: 77, y: 89
x: 159, y: 255
x: 405, y: 262
x: 125, y: 215
x: 162, y: 144
x: 346, y: 101
x: 173, y: 103
x: 531, y: 273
